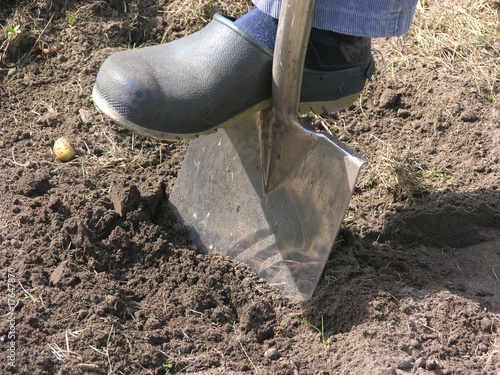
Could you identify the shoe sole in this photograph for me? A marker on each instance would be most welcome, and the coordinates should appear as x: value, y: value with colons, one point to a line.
x: 315, y: 107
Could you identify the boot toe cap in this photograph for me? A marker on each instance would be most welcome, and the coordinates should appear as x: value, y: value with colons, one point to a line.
x: 126, y: 85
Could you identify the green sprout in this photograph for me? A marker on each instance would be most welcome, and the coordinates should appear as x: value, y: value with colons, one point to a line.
x: 71, y: 18
x: 440, y: 173
x: 322, y: 330
x: 492, y: 96
x: 362, y: 110
x: 13, y: 31
x: 256, y: 369
x: 346, y: 226
x: 203, y: 315
x: 167, y: 367
x: 421, y: 4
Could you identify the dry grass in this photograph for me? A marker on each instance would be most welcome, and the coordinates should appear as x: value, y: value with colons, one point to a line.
x: 197, y: 13
x: 402, y: 174
x: 31, y: 29
x: 492, y: 356
x: 462, y: 37
x: 116, y: 160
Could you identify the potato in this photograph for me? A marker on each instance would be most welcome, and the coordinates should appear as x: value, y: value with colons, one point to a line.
x: 63, y: 149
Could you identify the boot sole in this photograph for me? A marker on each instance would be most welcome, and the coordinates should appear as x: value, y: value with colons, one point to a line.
x: 315, y: 107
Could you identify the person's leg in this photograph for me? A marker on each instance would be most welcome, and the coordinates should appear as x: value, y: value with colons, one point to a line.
x: 327, y: 50
x: 216, y: 76
x: 340, y: 29
x: 368, y: 18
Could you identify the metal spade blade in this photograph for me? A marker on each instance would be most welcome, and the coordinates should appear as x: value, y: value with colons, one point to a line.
x: 268, y: 192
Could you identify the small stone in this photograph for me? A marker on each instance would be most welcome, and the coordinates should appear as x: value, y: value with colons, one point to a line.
x: 432, y: 365
x: 420, y: 363
x: 403, y: 113
x: 271, y: 353
x: 405, y: 364
x: 86, y: 116
x: 414, y: 343
x: 486, y: 324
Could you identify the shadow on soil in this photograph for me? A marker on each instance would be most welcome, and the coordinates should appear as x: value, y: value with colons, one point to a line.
x: 450, y: 243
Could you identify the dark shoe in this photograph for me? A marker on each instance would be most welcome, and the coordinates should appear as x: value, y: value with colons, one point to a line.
x: 209, y: 79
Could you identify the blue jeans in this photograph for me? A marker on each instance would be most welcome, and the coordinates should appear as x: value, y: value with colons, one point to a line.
x: 369, y: 18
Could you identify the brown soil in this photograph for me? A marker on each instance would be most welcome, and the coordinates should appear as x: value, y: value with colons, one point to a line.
x: 97, y: 276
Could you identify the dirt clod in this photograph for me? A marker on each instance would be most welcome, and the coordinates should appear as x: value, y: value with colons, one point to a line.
x: 389, y: 98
